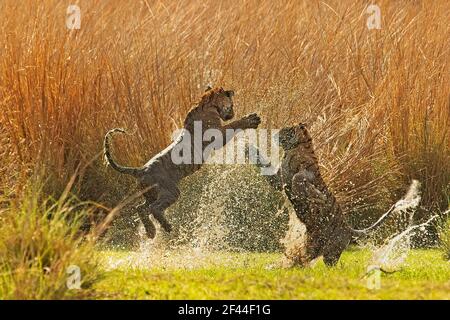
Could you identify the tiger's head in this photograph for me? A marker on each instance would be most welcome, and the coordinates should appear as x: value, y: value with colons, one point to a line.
x: 220, y: 100
x: 291, y: 137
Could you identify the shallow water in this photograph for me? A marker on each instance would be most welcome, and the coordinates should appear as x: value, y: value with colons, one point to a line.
x: 206, y: 243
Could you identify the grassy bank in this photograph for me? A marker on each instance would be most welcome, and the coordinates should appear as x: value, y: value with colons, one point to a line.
x: 255, y: 276
x: 41, y: 244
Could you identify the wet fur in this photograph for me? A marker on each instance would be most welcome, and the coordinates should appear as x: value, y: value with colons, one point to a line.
x: 327, y: 233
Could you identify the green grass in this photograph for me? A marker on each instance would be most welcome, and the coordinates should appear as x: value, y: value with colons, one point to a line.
x: 40, y: 240
x: 444, y: 235
x: 253, y: 276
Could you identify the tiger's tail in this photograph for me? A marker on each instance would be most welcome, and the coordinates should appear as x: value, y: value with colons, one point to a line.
x: 109, y: 159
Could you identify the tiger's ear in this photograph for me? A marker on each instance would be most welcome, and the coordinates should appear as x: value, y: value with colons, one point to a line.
x: 208, y: 88
x: 229, y: 93
x: 302, y: 125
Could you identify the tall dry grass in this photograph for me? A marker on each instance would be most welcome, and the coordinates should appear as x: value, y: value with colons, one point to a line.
x: 377, y: 101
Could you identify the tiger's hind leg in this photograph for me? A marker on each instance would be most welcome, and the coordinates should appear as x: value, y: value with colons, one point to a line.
x: 142, y: 211
x: 338, y: 242
x: 167, y: 196
x: 331, y: 259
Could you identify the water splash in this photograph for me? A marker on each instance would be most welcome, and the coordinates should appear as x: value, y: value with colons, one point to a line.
x: 411, y: 200
x: 391, y: 255
x: 160, y: 253
x: 294, y: 241
x: 211, y: 222
x: 211, y: 228
x: 204, y: 236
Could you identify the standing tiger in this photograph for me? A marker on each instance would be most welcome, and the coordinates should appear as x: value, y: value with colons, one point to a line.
x: 328, y: 234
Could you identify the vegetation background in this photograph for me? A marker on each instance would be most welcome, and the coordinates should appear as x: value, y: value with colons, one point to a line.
x: 377, y: 101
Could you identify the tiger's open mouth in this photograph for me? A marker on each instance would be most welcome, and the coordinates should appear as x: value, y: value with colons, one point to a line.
x: 228, y: 116
x: 227, y: 113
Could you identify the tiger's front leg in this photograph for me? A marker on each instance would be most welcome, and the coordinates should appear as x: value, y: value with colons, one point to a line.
x: 253, y: 153
x: 251, y: 121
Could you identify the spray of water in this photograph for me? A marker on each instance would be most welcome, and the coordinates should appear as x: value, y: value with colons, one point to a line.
x: 391, y: 255
x: 194, y: 242
x: 235, y: 211
x: 206, y: 233
x: 294, y: 241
